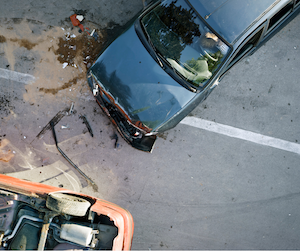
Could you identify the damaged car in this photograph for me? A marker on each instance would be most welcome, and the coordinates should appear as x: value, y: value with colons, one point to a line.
x: 37, y: 216
x: 170, y: 58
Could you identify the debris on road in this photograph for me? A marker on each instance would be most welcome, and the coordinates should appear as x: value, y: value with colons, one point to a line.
x: 72, y: 49
x: 71, y: 111
x: 76, y: 22
x: 76, y: 19
x: 115, y: 137
x: 80, y: 18
x: 54, y: 120
x: 67, y: 158
x: 94, y: 34
x: 87, y: 124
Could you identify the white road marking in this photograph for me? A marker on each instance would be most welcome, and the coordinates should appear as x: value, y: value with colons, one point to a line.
x: 242, y: 134
x: 17, y: 76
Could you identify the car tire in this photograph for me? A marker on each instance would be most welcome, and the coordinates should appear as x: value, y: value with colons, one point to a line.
x: 67, y: 204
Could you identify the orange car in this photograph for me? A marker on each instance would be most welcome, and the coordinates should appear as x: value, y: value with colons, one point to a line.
x: 38, y: 216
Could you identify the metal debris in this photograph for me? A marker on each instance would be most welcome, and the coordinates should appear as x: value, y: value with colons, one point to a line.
x: 71, y: 108
x: 66, y: 157
x: 115, y: 137
x: 87, y: 124
x: 54, y: 120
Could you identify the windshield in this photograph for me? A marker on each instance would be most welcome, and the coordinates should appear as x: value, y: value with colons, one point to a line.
x: 184, y: 41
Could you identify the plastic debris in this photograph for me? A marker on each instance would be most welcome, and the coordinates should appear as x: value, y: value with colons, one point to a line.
x: 76, y: 22
x: 80, y: 18
x: 94, y: 34
x: 65, y: 65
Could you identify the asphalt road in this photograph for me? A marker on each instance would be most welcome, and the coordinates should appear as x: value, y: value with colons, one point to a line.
x: 205, y: 186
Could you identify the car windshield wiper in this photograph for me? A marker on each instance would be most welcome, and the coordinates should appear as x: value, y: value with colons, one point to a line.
x: 180, y: 78
x: 155, y: 52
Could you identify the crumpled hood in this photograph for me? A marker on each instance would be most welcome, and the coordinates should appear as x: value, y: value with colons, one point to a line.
x: 138, y: 84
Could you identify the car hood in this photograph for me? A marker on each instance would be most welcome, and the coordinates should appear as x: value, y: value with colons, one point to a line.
x: 139, y: 86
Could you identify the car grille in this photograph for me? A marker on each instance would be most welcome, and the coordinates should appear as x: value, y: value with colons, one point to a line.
x: 126, y: 128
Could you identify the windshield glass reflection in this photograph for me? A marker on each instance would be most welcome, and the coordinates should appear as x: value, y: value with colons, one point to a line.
x: 184, y: 41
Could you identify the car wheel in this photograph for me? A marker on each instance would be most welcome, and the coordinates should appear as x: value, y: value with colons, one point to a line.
x: 67, y: 204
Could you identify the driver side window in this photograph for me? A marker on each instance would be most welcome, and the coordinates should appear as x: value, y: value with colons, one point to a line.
x: 253, y: 40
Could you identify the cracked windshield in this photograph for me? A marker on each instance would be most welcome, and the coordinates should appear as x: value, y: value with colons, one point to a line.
x: 184, y: 41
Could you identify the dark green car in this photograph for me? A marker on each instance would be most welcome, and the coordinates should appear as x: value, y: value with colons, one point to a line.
x: 173, y: 55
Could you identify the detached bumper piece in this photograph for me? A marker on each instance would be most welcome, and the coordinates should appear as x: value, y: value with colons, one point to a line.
x: 131, y: 134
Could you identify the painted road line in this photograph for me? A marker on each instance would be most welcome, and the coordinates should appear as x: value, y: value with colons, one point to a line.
x: 17, y: 76
x: 242, y: 134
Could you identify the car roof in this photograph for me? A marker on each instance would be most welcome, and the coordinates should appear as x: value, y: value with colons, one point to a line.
x: 230, y: 18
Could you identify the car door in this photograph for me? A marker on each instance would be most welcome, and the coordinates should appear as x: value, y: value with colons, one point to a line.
x: 264, y: 32
x: 247, y: 46
x: 280, y: 17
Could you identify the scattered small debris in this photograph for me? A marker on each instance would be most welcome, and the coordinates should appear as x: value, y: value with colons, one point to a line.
x: 65, y: 65
x: 94, y: 34
x: 71, y: 111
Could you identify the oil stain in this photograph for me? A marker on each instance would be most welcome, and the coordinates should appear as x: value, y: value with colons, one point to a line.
x: 24, y: 43
x: 74, y: 50
x: 67, y: 85
x: 163, y: 135
x: 5, y: 103
x: 2, y: 39
x: 83, y: 46
x: 5, y: 154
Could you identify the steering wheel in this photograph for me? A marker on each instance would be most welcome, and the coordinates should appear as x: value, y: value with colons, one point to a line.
x: 213, y: 59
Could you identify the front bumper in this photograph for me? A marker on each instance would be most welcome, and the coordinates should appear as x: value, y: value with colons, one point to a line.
x: 133, y: 135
